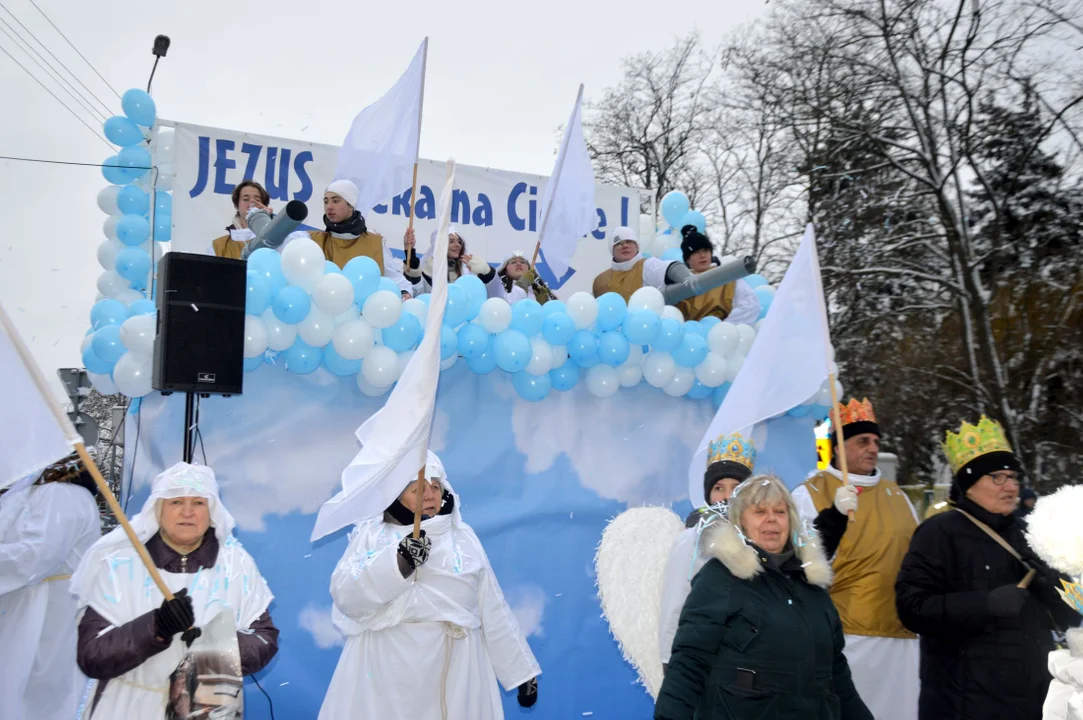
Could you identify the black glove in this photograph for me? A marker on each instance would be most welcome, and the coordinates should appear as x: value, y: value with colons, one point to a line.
x: 174, y: 616
x: 415, y: 551
x: 528, y: 693
x: 1006, y: 601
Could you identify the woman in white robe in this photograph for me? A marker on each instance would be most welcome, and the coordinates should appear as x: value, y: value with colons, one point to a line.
x: 520, y: 281
x: 428, y: 632
x: 459, y: 264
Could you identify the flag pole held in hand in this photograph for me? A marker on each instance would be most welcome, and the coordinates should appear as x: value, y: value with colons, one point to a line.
x: 836, y: 420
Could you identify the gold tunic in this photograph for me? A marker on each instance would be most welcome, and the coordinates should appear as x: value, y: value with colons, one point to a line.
x: 717, y: 302
x: 622, y: 282
x: 342, y: 250
x: 869, y: 556
x: 227, y: 247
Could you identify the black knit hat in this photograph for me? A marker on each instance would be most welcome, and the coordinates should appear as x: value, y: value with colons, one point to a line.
x: 692, y: 240
x: 981, y: 466
x: 723, y: 469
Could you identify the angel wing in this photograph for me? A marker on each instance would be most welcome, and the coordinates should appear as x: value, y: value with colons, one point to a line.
x: 630, y: 566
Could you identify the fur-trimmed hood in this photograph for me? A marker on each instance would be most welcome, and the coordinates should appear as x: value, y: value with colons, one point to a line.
x: 721, y: 541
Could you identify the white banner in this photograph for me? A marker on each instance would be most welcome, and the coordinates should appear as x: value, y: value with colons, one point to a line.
x: 495, y: 211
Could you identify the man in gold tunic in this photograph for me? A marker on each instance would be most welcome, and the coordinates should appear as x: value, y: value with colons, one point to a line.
x: 735, y: 301
x: 868, y: 552
x: 629, y: 271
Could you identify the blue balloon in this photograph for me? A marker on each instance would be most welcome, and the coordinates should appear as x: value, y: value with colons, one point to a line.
x: 695, y: 217
x: 268, y: 263
x: 486, y: 362
x: 564, y: 377
x: 339, y: 366
x: 133, y: 201
x: 302, y: 358
x: 755, y: 281
x: 95, y: 364
x: 670, y: 334
x: 473, y: 341
x: 700, y: 391
x: 142, y: 307
x: 449, y: 342
x: 363, y: 272
x: 404, y: 334
x: 163, y: 227
x: 673, y: 255
x: 641, y: 327
x: 136, y: 160
x: 719, y: 394
x: 115, y: 173
x: 139, y: 107
x: 329, y: 268
x: 133, y: 229
x: 133, y: 264
x: 122, y: 131
x: 558, y: 328
x: 611, y: 311
x: 425, y: 298
x: 674, y: 206
x: 163, y: 202
x: 253, y: 363
x: 458, y: 306
x: 532, y: 388
x: 613, y: 348
x: 554, y: 306
x: 140, y: 285
x: 291, y: 305
x: 709, y: 322
x: 692, y: 351
x: 766, y: 295
x: 475, y: 290
x: 107, y: 312
x: 527, y: 317
x: 583, y: 347
x: 800, y: 410
x: 257, y: 297
x: 588, y: 362
x: 693, y: 327
x: 107, y: 345
x: 819, y: 411
x: 388, y: 284
x: 513, y: 351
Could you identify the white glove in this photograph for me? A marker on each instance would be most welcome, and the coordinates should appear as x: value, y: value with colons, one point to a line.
x: 426, y: 265
x: 478, y: 266
x: 846, y: 499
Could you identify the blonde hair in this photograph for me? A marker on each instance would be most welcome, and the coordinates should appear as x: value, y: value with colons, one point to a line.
x: 761, y: 490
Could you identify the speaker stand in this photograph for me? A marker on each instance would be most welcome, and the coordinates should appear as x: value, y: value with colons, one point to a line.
x: 189, y: 426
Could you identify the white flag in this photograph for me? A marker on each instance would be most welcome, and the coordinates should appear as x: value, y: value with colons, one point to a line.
x: 787, y: 364
x: 33, y: 434
x: 379, y: 152
x: 568, y: 209
x: 395, y: 440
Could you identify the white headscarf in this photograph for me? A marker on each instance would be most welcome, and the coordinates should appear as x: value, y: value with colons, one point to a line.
x: 181, y: 480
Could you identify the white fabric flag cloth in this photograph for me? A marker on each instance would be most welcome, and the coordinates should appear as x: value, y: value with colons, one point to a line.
x: 787, y: 363
x: 568, y: 202
x: 33, y: 435
x: 379, y: 152
x: 395, y: 440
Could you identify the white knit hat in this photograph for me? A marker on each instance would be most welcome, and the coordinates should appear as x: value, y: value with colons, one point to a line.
x: 624, y: 233
x: 516, y: 254
x: 346, y: 190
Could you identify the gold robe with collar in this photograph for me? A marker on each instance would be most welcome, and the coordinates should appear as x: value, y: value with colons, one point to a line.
x: 717, y: 302
x: 342, y: 250
x: 622, y: 282
x: 227, y: 247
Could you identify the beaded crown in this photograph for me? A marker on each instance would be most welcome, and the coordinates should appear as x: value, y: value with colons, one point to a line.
x: 856, y: 411
x: 734, y: 448
x: 1072, y: 594
x: 973, y: 441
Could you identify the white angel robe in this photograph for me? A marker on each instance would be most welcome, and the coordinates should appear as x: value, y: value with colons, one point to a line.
x: 44, y: 531
x: 427, y: 647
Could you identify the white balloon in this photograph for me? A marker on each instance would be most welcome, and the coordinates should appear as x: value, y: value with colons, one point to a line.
x: 351, y: 314
x: 303, y: 263
x: 671, y: 312
x: 165, y: 177
x: 416, y: 308
x: 560, y: 355
x: 682, y: 382
x: 838, y: 390
x: 746, y: 336
x: 447, y: 364
x: 541, y: 358
x: 164, y: 145
x: 758, y: 324
x: 102, y: 382
x: 602, y: 381
x: 333, y: 294
x: 833, y: 368
x: 129, y: 296
x: 495, y: 315
x: 723, y: 339
x: 582, y: 309
x: 353, y: 340
x: 255, y: 336
x: 635, y: 357
x: 712, y: 371
x: 659, y: 368
x: 831, y: 353
x: 823, y: 397
x: 629, y: 375
x: 85, y: 343
x: 107, y: 199
x: 381, y: 367
x: 317, y: 327
x: 382, y: 308
x: 733, y: 366
x: 368, y: 388
x: 280, y: 335
x: 137, y: 334
x: 109, y: 227
x: 672, y: 241
x: 132, y: 375
x: 98, y: 296
x: 111, y: 284
x: 647, y: 298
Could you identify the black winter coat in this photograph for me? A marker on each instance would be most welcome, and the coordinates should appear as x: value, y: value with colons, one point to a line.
x: 975, y: 666
x: 758, y: 642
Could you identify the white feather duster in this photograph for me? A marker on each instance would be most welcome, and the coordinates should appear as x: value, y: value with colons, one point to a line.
x: 1055, y: 529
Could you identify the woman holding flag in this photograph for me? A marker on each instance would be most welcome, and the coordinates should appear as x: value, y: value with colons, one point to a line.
x: 521, y: 281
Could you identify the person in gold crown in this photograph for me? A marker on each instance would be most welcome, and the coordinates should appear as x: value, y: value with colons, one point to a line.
x: 986, y: 624
x: 730, y: 460
x: 868, y: 552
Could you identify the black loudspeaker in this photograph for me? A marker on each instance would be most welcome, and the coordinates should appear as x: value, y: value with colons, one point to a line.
x: 200, y: 343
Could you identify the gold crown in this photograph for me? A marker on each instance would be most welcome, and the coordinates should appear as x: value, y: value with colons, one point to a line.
x: 734, y: 448
x: 856, y: 411
x: 973, y: 441
x: 1072, y: 594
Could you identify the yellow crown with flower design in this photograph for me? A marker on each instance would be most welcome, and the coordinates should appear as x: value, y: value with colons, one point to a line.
x: 1072, y: 594
x: 973, y: 441
x: 733, y: 448
x: 856, y: 411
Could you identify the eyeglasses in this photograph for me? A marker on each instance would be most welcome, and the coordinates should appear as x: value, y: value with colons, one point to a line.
x: 999, y: 478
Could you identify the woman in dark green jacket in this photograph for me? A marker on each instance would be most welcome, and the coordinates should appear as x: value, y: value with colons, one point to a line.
x: 759, y: 637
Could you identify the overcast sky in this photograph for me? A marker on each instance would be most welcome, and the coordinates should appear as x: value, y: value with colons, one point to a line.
x: 501, y: 78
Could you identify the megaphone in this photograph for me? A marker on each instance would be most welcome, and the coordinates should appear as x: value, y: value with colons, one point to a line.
x: 271, y: 232
x: 684, y: 284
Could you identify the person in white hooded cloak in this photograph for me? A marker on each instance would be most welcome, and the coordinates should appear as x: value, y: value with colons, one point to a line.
x: 428, y: 632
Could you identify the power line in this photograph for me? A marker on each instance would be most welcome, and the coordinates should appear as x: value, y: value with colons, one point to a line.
x: 74, y: 48
x: 61, y: 62
x: 69, y: 162
x: 73, y: 113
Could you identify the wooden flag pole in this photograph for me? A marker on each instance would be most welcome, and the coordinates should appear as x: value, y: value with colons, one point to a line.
x: 80, y: 448
x: 836, y: 419
x: 555, y: 179
x: 417, y: 151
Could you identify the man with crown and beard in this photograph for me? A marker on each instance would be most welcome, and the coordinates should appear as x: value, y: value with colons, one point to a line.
x: 868, y: 550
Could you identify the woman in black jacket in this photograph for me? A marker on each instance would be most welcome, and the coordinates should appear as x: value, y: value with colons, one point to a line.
x: 985, y: 641
x: 758, y: 635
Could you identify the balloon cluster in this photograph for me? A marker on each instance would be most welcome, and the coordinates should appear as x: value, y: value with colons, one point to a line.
x: 118, y: 347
